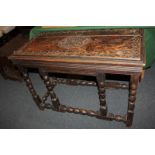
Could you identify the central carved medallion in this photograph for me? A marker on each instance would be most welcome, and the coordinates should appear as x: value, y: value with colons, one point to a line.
x: 74, y: 42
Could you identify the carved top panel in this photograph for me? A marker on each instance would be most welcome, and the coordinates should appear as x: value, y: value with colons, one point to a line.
x: 113, y: 44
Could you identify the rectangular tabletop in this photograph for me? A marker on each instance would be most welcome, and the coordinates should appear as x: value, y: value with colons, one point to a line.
x: 113, y: 47
x: 149, y: 36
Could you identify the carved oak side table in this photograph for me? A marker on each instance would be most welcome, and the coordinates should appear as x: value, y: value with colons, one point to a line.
x: 88, y: 53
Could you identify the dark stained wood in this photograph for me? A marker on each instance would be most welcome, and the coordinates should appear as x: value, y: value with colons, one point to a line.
x: 92, y: 46
x: 104, y: 48
x: 101, y: 88
x: 33, y: 92
x: 50, y: 86
x: 134, y: 81
x: 89, y: 53
x: 75, y: 82
x: 39, y: 53
x: 92, y: 113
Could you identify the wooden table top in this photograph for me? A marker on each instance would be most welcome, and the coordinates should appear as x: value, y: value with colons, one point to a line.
x: 116, y: 44
x: 112, y: 46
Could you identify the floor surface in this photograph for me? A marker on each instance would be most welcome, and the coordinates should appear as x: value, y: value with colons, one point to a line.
x: 18, y: 110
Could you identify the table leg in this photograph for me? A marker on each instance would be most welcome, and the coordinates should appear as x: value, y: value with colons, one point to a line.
x: 33, y: 92
x: 50, y: 86
x: 101, y: 89
x: 134, y: 80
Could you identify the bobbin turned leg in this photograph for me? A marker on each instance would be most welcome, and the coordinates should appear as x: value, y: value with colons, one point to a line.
x: 101, y: 92
x: 134, y: 80
x: 50, y: 86
x: 33, y: 92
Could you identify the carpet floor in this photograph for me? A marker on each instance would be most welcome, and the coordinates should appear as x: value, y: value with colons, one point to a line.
x: 18, y: 111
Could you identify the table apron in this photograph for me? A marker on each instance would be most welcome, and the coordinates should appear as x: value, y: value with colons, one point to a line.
x: 81, y: 69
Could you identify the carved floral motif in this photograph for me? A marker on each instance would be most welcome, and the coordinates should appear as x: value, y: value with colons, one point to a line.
x: 76, y: 45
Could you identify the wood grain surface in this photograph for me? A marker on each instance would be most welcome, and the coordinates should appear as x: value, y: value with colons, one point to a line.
x: 120, y: 44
